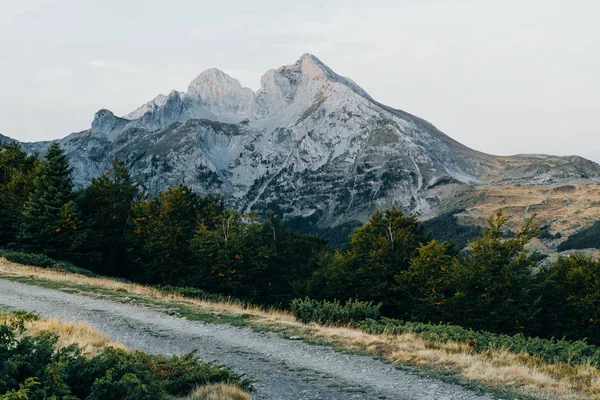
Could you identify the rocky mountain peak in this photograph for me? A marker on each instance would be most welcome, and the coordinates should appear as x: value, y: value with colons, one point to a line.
x: 150, y: 106
x: 214, y: 83
x: 104, y: 124
x: 214, y: 93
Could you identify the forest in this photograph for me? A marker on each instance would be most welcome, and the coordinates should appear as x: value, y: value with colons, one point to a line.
x: 177, y: 238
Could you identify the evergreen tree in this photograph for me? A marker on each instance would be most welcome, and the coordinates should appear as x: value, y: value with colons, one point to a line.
x: 17, y: 176
x: 50, y: 222
x: 376, y: 253
x: 570, y: 305
x: 493, y: 283
x: 159, y: 236
x: 106, y: 206
x: 427, y: 283
x: 293, y: 259
x: 233, y: 257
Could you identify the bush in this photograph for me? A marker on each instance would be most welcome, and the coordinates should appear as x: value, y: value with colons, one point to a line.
x: 554, y: 351
x: 43, y: 261
x: 332, y: 312
x: 32, y: 367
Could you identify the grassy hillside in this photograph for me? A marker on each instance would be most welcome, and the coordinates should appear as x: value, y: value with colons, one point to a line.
x: 564, y: 209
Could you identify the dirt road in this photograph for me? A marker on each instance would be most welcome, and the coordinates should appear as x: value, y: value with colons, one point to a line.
x: 286, y: 369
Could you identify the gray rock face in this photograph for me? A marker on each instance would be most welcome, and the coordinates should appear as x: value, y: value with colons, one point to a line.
x: 308, y: 144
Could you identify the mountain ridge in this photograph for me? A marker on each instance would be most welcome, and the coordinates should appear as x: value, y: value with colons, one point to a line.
x: 309, y: 144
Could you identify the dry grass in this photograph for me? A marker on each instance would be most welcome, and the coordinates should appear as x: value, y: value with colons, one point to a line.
x: 133, y: 289
x: 566, y: 208
x: 87, y: 337
x: 218, y: 391
x: 529, y: 374
x: 524, y: 373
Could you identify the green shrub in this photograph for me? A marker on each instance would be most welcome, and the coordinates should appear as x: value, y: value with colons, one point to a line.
x: 32, y: 367
x: 333, y: 312
x: 555, y: 351
x: 43, y: 261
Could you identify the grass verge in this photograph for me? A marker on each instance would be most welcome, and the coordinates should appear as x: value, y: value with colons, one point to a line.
x: 511, y: 374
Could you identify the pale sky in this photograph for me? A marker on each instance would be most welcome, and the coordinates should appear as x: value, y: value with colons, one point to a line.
x: 500, y: 76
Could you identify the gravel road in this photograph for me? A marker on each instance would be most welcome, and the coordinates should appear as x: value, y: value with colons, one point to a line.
x: 286, y: 369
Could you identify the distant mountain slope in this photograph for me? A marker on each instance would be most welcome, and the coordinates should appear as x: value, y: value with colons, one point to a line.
x: 309, y: 144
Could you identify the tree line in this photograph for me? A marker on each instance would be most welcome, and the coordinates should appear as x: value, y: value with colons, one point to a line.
x: 176, y: 237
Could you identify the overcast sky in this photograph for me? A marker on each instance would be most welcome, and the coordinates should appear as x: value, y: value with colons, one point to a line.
x: 504, y: 77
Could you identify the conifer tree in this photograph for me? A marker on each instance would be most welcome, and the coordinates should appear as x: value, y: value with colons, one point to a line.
x: 17, y: 176
x: 377, y: 252
x: 159, y: 234
x: 50, y: 222
x: 493, y: 282
x: 427, y: 283
x: 106, y: 206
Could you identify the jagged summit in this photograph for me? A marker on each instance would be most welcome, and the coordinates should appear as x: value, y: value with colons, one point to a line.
x: 213, y: 94
x: 309, y: 144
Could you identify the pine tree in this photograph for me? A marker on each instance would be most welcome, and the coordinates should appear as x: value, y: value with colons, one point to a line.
x: 106, y: 206
x: 427, y: 283
x: 159, y: 234
x: 493, y: 282
x: 50, y: 222
x: 17, y: 176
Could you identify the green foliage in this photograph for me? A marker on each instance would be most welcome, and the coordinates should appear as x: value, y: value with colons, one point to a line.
x: 106, y: 206
x: 555, y: 351
x: 195, y: 293
x: 445, y: 228
x: 246, y: 257
x: 492, y: 284
x: 588, y: 238
x: 43, y: 261
x: 377, y: 252
x: 427, y: 284
x: 160, y: 234
x: 333, y: 312
x: 177, y: 238
x: 33, y: 368
x: 50, y: 222
x: 17, y: 177
x: 570, y: 299
x: 234, y: 255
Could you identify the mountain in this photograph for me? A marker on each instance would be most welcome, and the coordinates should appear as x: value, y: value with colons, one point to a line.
x: 309, y: 144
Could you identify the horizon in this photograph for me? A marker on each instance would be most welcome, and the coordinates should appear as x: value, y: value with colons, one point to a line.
x: 525, y: 84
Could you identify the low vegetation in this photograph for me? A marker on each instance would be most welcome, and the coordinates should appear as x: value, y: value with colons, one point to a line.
x: 42, y: 260
x: 553, y: 351
x: 419, y: 344
x: 48, y: 359
x: 333, y: 312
